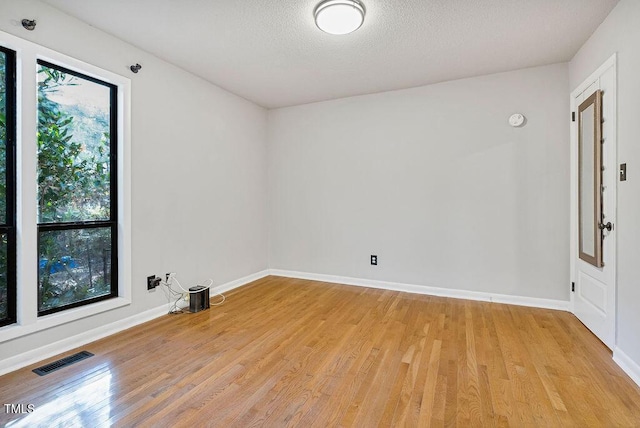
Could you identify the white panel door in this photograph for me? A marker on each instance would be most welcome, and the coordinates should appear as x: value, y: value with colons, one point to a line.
x: 594, y: 299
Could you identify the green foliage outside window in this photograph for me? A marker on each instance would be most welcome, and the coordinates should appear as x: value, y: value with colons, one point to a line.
x: 73, y: 186
x: 4, y: 309
x: 73, y: 155
x: 3, y: 138
x: 3, y: 188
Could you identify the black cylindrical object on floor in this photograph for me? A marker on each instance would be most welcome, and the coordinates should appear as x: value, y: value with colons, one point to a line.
x: 198, y: 298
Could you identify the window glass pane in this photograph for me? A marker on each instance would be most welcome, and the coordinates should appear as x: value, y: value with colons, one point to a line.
x: 73, y: 147
x: 3, y: 138
x: 7, y: 188
x: 4, y: 298
x: 74, y: 265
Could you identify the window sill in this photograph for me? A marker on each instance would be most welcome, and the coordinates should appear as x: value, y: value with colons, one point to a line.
x: 14, y: 331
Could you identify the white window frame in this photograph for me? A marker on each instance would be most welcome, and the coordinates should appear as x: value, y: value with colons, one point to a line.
x: 28, y: 322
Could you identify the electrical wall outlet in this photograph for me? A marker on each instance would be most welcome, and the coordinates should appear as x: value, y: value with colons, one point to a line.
x: 168, y: 277
x: 374, y: 260
x: 153, y: 281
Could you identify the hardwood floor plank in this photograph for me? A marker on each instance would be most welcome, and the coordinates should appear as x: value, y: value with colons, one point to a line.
x: 427, y: 404
x: 289, y: 352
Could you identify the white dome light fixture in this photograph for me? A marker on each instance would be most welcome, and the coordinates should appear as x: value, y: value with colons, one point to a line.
x: 339, y: 16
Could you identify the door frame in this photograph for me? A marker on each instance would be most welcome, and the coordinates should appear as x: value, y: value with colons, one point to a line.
x: 611, y: 62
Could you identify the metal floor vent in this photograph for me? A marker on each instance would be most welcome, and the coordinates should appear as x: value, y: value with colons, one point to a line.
x: 63, y: 362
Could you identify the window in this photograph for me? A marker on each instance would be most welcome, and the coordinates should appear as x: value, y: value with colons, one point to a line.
x: 65, y: 189
x: 7, y: 186
x: 77, y: 189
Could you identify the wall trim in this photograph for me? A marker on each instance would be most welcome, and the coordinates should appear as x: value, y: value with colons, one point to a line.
x: 534, y: 302
x: 629, y: 366
x: 33, y: 356
x: 231, y: 285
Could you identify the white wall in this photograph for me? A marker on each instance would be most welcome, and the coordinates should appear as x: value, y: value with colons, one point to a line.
x: 620, y: 33
x: 198, y: 169
x: 431, y: 179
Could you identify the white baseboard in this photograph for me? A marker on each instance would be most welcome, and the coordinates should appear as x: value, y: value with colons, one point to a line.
x: 239, y: 282
x: 33, y: 356
x: 629, y: 366
x: 429, y: 290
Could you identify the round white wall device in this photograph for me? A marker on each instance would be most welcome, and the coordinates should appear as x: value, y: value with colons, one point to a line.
x: 516, y: 120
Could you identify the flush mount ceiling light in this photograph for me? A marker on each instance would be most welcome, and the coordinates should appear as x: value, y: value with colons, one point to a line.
x: 339, y: 16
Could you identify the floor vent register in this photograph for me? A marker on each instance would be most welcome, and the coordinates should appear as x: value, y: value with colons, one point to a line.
x: 63, y: 362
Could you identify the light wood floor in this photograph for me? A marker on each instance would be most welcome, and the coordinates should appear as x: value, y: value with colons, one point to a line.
x: 284, y: 352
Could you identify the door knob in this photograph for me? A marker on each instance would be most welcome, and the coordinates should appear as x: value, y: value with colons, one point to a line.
x: 607, y: 226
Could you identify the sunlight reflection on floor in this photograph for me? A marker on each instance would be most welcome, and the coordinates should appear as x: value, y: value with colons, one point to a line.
x: 87, y: 404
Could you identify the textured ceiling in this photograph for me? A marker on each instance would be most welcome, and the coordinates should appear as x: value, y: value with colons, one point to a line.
x: 271, y: 52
